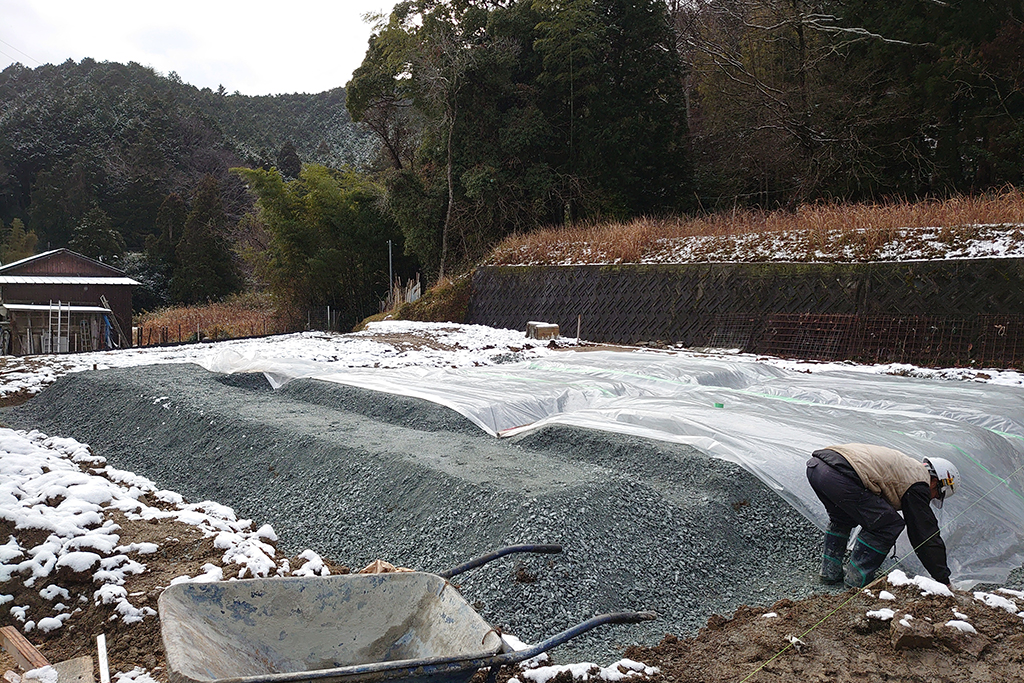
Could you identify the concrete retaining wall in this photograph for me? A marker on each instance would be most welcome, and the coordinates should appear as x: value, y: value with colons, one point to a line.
x: 945, y: 312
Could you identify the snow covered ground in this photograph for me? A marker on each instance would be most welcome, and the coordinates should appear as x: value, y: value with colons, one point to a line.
x: 400, y: 344
x: 385, y: 345
x: 58, y: 486
x: 907, y: 244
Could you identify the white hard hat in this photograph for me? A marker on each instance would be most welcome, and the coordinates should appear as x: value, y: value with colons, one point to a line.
x: 947, y: 474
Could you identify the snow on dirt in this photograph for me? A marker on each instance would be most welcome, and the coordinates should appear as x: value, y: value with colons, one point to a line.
x: 833, y: 246
x: 89, y: 546
x: 907, y: 244
x: 390, y: 344
x: 65, y: 512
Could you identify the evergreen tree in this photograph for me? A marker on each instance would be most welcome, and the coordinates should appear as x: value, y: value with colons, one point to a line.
x: 135, y: 197
x: 152, y: 292
x: 530, y: 112
x: 288, y: 161
x: 205, y: 269
x: 381, y: 101
x: 160, y: 255
x: 96, y: 238
x: 61, y: 197
x: 161, y: 249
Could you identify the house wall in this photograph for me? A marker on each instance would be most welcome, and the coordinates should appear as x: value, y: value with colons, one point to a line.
x: 64, y: 263
x: 118, y: 296
x: 39, y: 332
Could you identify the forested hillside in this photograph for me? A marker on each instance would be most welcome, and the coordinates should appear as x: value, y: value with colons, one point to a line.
x: 121, y: 138
x: 801, y: 100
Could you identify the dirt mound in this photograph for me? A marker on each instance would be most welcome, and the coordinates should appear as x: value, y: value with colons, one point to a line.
x: 832, y: 638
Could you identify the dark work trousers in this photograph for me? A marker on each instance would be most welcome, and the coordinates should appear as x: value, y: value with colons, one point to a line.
x: 850, y: 504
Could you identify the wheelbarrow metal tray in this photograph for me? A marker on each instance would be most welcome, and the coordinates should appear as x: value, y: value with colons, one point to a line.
x: 258, y: 629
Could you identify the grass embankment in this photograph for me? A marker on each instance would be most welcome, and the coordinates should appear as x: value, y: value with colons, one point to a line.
x: 447, y: 301
x: 851, y: 231
x: 245, y: 315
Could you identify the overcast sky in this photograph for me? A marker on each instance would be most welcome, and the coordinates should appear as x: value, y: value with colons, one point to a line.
x: 255, y: 48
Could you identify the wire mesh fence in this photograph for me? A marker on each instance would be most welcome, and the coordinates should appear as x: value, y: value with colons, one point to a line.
x: 957, y: 313
x: 981, y: 341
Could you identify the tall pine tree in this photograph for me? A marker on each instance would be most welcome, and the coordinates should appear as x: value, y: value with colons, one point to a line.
x: 205, y: 270
x: 97, y: 238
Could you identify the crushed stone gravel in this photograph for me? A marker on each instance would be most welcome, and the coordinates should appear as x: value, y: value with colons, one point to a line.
x: 358, y: 475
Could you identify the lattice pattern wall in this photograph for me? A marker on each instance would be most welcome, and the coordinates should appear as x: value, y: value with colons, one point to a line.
x: 943, y: 312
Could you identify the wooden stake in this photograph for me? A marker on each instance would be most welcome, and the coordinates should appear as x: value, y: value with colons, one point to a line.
x: 23, y: 652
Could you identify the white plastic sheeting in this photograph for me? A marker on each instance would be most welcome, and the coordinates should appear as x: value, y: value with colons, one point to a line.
x: 762, y: 417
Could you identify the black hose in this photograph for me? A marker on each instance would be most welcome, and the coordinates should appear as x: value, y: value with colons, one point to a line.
x: 501, y: 552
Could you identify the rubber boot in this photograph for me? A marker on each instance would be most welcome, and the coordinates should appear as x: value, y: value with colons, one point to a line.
x: 866, y: 557
x: 836, y: 540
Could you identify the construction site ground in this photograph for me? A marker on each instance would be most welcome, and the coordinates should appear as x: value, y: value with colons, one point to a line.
x: 839, y: 643
x: 749, y: 610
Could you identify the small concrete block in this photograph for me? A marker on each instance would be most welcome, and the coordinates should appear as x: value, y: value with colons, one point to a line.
x: 540, y: 330
x: 77, y: 670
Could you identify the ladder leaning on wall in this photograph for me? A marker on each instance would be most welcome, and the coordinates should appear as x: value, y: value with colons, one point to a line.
x: 63, y: 329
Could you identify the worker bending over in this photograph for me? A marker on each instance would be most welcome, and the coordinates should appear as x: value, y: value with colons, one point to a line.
x: 861, y: 484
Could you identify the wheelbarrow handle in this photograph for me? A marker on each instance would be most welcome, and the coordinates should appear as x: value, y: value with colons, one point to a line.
x: 569, y: 634
x: 501, y: 552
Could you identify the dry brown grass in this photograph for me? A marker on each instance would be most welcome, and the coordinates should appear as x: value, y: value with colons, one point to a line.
x: 246, y: 315
x: 865, y: 227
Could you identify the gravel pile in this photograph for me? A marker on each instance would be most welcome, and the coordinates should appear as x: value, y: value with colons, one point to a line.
x: 358, y: 475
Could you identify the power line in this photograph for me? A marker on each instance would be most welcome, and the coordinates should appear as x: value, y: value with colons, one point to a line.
x: 19, y: 51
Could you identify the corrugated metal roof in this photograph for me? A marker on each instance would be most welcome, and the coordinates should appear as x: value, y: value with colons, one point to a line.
x: 64, y: 280
x: 63, y: 308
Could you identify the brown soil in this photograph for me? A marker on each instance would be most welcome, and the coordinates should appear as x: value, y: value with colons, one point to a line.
x: 183, y: 550
x: 840, y: 643
x: 15, y: 399
x: 404, y: 341
x: 11, y: 370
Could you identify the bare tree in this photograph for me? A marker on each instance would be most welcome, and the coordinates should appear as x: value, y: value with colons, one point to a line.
x: 770, y: 97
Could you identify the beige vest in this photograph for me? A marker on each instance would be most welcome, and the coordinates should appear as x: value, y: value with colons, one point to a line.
x: 884, y: 471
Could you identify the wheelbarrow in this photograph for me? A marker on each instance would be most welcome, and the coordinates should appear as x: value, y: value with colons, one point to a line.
x: 349, y: 628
